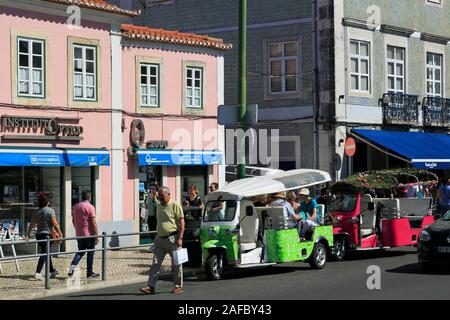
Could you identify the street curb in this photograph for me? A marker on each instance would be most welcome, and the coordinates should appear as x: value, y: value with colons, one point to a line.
x: 98, y: 285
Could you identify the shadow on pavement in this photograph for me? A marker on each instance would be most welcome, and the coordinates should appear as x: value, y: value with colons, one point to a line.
x: 415, y: 268
x: 375, y: 254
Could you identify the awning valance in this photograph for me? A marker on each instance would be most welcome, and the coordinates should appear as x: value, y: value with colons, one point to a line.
x: 149, y: 157
x: 423, y: 149
x: 53, y: 157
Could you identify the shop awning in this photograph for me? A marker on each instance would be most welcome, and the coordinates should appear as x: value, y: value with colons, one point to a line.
x: 150, y: 157
x: 53, y: 157
x: 424, y: 150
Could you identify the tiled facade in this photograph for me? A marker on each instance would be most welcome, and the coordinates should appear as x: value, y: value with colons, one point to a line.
x: 268, y: 22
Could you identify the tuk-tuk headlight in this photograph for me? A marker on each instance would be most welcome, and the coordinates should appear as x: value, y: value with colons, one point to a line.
x: 195, y: 233
x: 424, y: 236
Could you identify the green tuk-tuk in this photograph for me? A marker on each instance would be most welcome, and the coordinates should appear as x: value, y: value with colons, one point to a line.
x: 235, y: 233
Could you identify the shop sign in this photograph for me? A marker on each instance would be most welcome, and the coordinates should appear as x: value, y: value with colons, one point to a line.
x: 52, y: 129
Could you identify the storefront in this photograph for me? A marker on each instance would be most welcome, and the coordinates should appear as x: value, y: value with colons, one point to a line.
x: 25, y: 172
x: 177, y: 169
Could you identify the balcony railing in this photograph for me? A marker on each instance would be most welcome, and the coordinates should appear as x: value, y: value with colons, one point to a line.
x: 436, y: 112
x: 400, y: 109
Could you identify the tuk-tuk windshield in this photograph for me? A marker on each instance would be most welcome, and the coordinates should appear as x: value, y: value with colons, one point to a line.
x: 220, y: 210
x: 344, y: 202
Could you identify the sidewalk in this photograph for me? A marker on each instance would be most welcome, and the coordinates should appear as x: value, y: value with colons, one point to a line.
x: 123, y: 267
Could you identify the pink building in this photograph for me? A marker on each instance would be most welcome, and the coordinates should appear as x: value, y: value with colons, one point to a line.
x: 77, y: 98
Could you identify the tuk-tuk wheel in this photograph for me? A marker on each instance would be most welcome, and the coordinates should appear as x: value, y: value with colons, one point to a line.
x: 214, y: 267
x: 339, y: 249
x: 318, y: 256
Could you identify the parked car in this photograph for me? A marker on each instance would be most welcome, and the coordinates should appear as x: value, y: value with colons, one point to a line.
x: 434, y: 243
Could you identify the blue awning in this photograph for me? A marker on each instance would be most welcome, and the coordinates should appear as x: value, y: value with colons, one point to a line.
x: 424, y: 150
x: 150, y: 157
x: 53, y: 157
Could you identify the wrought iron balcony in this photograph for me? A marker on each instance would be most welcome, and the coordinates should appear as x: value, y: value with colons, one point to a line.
x: 436, y: 112
x: 400, y: 109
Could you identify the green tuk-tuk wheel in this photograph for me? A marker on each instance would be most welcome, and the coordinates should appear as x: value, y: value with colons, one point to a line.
x: 318, y: 256
x: 214, y: 266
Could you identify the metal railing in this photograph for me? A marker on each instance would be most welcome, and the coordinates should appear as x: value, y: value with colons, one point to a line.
x: 436, y: 112
x: 104, y: 249
x: 399, y: 108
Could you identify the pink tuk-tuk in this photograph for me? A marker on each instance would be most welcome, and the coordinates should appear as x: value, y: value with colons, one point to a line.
x: 380, y: 210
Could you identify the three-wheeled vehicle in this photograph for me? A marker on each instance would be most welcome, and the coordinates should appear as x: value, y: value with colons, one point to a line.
x: 235, y: 233
x: 367, y: 216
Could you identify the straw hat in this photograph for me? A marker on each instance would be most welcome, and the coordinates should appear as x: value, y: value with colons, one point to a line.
x: 281, y: 195
x: 304, y: 192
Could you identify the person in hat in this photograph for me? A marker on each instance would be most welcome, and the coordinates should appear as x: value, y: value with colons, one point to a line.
x: 309, y: 207
x: 280, y: 200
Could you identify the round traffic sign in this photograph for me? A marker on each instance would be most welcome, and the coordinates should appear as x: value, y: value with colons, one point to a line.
x: 350, y: 147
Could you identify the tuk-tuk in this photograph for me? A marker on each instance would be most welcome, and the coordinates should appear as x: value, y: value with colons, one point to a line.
x: 235, y: 233
x: 375, y: 210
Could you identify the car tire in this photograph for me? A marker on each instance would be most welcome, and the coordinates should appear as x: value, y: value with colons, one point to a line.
x: 214, y: 267
x: 340, y: 251
x: 318, y: 258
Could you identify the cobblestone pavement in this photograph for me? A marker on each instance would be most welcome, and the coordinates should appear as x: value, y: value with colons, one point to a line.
x: 121, y: 265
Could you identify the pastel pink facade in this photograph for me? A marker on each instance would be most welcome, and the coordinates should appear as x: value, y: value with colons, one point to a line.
x: 107, y: 121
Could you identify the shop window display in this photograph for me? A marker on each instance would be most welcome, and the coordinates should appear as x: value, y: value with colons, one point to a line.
x: 19, y: 187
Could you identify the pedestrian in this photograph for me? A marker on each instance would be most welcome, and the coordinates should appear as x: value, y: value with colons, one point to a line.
x: 45, y: 219
x: 151, y: 204
x: 193, y: 203
x: 213, y: 187
x: 83, y: 219
x: 170, y: 232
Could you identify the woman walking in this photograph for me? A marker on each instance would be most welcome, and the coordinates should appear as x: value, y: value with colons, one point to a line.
x: 45, y: 219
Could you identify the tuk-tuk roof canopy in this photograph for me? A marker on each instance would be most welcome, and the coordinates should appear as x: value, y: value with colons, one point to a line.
x: 279, y: 182
x: 385, y: 179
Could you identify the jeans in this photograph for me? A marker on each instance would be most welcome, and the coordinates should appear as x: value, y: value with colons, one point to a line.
x: 85, y: 244
x: 43, y: 247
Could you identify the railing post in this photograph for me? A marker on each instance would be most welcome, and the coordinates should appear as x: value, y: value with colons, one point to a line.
x: 104, y: 246
x: 47, y: 265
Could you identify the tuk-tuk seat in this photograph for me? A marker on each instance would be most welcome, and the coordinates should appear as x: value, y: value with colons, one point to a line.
x: 368, y: 217
x: 249, y: 232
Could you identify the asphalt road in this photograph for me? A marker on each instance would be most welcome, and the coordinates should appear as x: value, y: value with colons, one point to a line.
x: 401, y: 278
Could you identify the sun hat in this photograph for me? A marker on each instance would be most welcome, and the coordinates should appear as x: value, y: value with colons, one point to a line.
x: 280, y: 195
x: 304, y: 192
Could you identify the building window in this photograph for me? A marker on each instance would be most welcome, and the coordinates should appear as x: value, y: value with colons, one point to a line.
x: 434, y: 74
x: 283, y: 60
x: 30, y: 67
x: 435, y: 2
x: 84, y: 73
x: 194, y: 85
x: 149, y: 85
x: 360, y: 66
x: 396, y: 69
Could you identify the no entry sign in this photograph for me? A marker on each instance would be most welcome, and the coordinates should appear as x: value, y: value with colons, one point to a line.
x: 350, y: 147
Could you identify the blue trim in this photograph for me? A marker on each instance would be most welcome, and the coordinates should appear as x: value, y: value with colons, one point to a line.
x: 152, y: 157
x: 53, y: 157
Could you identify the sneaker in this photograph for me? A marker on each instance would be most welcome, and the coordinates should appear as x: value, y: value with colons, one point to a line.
x: 38, y: 276
x: 54, y: 274
x: 93, y: 275
x: 148, y: 290
x: 177, y: 290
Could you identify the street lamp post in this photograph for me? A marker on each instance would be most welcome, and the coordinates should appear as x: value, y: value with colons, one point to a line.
x: 242, y: 86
